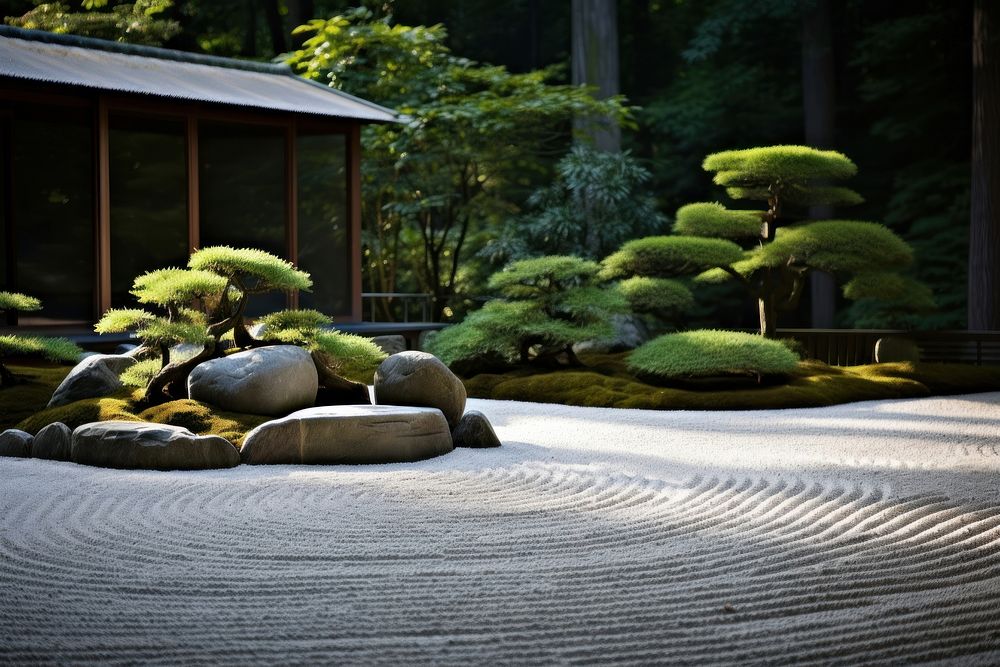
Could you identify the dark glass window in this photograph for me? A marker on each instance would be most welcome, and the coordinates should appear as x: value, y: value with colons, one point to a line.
x: 149, y: 225
x: 242, y: 191
x: 323, y: 240
x: 53, y: 212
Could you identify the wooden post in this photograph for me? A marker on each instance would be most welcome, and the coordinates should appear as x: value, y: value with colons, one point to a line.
x: 292, y: 202
x: 193, y: 202
x: 354, y: 209
x: 103, y: 210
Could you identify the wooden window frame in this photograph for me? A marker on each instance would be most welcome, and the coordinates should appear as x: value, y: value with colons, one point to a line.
x: 103, y: 105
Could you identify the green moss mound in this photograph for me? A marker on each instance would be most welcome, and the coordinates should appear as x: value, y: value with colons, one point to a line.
x: 605, y: 381
x: 23, y: 406
x: 707, y: 353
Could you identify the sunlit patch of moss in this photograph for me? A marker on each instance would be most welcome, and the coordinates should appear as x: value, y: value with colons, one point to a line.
x: 117, y: 408
x: 605, y: 382
x: 31, y: 394
x: 203, y: 419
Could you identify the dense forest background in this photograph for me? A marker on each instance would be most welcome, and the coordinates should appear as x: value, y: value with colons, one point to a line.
x: 703, y: 76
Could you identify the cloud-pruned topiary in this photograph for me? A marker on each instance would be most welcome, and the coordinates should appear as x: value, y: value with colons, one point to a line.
x: 16, y: 345
x: 547, y: 305
x: 710, y: 353
x: 778, y: 247
x: 205, y: 304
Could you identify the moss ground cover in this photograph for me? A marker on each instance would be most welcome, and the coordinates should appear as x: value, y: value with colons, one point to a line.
x: 605, y: 381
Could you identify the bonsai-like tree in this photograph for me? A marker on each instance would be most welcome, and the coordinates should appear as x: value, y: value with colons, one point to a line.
x: 206, y: 303
x: 547, y: 305
x: 771, y: 251
x: 12, y: 345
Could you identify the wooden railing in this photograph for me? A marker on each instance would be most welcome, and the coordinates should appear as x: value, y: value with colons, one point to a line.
x: 398, y: 303
x: 852, y: 347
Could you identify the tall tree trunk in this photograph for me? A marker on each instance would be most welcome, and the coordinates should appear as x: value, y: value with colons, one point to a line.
x: 984, y: 227
x: 250, y: 36
x: 595, y: 63
x: 299, y: 12
x: 818, y: 105
x: 275, y: 26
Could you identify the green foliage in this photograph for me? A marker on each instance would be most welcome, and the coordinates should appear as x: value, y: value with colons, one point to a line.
x: 295, y: 319
x: 669, y: 256
x: 594, y: 205
x: 706, y: 353
x: 836, y: 246
x: 11, y: 345
x: 139, y: 374
x: 53, y: 349
x: 18, y: 301
x: 769, y: 165
x: 656, y: 295
x: 555, y: 302
x: 711, y: 219
x: 135, y: 22
x: 443, y: 182
x: 350, y: 356
x: 252, y: 269
x: 529, y: 278
x: 173, y: 287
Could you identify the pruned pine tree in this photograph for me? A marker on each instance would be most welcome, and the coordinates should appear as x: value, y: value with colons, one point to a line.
x: 547, y: 304
x: 13, y: 345
x: 204, y: 303
x: 772, y: 251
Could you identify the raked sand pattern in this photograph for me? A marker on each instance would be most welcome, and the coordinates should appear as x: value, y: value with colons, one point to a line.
x: 855, y: 534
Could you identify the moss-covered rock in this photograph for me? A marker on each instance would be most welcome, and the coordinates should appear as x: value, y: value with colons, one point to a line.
x: 709, y: 353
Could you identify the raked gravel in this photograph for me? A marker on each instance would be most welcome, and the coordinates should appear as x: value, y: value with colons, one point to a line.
x: 853, y: 534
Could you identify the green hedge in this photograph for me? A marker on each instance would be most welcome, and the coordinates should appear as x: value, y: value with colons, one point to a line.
x: 708, y: 353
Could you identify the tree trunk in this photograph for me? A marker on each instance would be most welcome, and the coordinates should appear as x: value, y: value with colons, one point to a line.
x: 984, y: 227
x: 595, y: 63
x: 768, y: 316
x: 818, y: 106
x: 299, y: 12
x: 170, y: 383
x: 250, y: 36
x: 275, y: 26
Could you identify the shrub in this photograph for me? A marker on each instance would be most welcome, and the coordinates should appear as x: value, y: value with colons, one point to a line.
x: 708, y: 353
x: 204, y: 304
x: 11, y: 345
x: 549, y: 304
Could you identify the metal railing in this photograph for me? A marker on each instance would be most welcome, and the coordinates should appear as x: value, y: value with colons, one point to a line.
x: 394, y: 299
x: 853, y: 347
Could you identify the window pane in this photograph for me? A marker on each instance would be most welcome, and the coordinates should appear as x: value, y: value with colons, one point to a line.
x: 54, y: 213
x: 242, y: 192
x: 149, y: 228
x: 324, y: 247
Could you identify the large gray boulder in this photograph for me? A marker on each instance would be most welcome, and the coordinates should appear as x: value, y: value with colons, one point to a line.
x: 145, y: 446
x: 272, y: 380
x: 93, y: 377
x: 15, y: 443
x: 420, y: 379
x: 53, y: 442
x: 350, y: 434
x: 475, y: 430
x: 390, y: 344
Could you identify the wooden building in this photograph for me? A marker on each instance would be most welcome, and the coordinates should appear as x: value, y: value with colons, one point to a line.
x: 118, y: 159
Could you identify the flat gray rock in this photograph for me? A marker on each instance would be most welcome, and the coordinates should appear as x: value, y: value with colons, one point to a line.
x: 94, y: 377
x: 420, y: 379
x: 15, y: 443
x: 272, y: 380
x: 475, y: 430
x: 53, y: 442
x: 350, y: 434
x: 390, y: 344
x: 138, y: 445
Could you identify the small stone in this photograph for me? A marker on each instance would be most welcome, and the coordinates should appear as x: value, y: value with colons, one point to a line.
x: 349, y: 434
x: 475, y: 430
x: 420, y: 379
x: 393, y: 344
x: 139, y: 445
x: 94, y: 377
x: 270, y: 380
x: 15, y: 443
x: 53, y: 442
